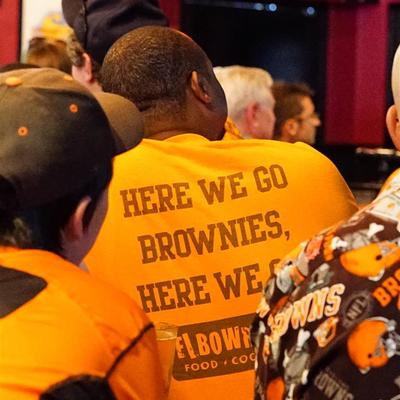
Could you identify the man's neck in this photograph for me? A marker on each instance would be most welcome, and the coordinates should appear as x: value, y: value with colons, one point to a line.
x: 166, y: 134
x: 164, y: 128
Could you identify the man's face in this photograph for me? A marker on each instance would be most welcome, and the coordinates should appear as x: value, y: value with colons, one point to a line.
x: 265, y: 118
x: 308, y: 122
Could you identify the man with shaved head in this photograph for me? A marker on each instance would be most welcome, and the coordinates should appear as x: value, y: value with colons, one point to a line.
x: 170, y: 79
x: 196, y: 223
x: 328, y: 325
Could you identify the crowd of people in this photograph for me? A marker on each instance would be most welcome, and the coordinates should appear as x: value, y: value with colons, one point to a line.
x: 127, y: 197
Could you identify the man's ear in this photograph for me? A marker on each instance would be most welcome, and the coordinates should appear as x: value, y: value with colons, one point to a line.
x: 392, y: 123
x: 251, y: 113
x: 74, y: 228
x: 84, y: 74
x: 200, y: 88
x: 289, y: 130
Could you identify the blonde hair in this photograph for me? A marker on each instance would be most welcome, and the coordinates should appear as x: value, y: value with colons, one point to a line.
x: 243, y: 85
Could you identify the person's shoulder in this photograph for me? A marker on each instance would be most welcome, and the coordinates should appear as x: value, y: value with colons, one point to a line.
x: 97, y: 301
x: 243, y: 152
x: 112, y: 313
x: 106, y: 304
x: 265, y: 145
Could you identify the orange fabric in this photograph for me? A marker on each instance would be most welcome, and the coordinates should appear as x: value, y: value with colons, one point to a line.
x: 199, y: 259
x: 231, y: 131
x: 76, y: 325
x: 336, y: 333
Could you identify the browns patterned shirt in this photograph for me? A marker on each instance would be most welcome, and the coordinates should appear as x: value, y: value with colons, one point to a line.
x: 328, y: 325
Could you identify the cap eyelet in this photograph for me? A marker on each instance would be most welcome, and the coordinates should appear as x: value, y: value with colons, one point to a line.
x: 13, y: 81
x: 23, y: 131
x: 73, y: 108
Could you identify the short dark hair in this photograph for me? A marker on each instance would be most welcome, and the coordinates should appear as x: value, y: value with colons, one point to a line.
x: 151, y: 66
x: 75, y: 53
x: 40, y: 227
x: 288, y: 98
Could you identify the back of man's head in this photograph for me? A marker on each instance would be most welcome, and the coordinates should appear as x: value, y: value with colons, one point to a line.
x: 396, y: 79
x: 249, y: 97
x: 167, y: 75
x: 243, y: 85
x: 393, y: 113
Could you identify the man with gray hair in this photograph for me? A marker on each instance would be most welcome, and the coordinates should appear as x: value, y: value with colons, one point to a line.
x: 250, y: 100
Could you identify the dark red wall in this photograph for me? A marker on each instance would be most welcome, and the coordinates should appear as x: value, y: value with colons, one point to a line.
x: 172, y: 9
x: 9, y: 30
x: 357, y: 51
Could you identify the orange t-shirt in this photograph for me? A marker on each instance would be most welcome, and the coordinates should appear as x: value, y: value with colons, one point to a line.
x: 61, y: 329
x: 192, y: 231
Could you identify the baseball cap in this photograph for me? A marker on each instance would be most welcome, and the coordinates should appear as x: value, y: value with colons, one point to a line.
x: 55, y: 135
x: 98, y: 24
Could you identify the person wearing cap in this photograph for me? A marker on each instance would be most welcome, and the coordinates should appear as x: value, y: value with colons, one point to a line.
x: 97, y: 24
x: 195, y: 223
x: 328, y: 324
x: 63, y: 334
x: 250, y: 100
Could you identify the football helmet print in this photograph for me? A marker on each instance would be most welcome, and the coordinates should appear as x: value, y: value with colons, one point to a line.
x: 372, y: 343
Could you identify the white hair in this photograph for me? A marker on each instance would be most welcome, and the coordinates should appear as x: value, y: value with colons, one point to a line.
x: 243, y: 85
